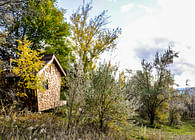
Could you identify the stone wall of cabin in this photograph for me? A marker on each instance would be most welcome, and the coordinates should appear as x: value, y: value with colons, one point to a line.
x: 51, y: 97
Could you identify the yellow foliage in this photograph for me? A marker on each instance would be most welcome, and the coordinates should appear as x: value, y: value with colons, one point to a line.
x: 162, y: 112
x: 28, y: 65
x: 21, y: 94
x: 90, y: 36
x: 122, y: 79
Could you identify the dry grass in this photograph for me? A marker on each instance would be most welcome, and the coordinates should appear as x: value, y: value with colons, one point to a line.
x: 50, y: 126
x: 47, y: 126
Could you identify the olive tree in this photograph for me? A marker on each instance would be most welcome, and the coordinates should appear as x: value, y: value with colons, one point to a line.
x: 152, y: 84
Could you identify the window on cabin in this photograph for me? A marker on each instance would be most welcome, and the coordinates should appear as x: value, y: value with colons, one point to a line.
x: 45, y: 84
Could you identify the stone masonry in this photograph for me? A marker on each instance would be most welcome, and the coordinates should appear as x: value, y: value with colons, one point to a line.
x: 51, y: 97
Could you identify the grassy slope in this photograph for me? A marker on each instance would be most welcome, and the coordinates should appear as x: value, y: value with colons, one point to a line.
x: 185, y: 131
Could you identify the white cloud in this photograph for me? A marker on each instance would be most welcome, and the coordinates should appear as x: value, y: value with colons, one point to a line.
x: 126, y: 8
x: 147, y: 9
x: 173, y: 20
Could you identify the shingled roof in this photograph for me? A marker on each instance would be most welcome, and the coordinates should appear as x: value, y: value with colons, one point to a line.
x: 47, y: 58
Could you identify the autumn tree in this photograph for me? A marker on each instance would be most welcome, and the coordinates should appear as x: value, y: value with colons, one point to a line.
x: 90, y: 35
x: 152, y: 84
x: 27, y: 67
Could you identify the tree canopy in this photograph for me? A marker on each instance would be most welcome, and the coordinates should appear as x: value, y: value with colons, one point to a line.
x: 38, y: 20
x: 90, y: 35
x: 153, y: 83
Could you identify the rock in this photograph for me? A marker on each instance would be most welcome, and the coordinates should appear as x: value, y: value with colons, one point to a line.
x: 43, y: 130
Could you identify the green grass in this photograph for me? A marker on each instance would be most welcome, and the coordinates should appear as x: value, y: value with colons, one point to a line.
x: 186, y: 128
x: 184, y: 131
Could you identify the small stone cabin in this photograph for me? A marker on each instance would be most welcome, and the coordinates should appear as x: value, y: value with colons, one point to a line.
x: 52, y: 72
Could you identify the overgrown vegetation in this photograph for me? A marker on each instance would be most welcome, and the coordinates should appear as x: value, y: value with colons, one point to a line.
x: 102, y: 103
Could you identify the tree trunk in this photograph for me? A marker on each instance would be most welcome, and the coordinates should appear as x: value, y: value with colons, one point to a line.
x: 101, y: 125
x: 152, y: 118
x: 101, y: 121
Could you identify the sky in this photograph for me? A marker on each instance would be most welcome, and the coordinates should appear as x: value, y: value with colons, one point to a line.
x: 149, y: 26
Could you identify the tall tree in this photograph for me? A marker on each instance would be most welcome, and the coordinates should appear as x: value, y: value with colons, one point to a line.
x: 90, y: 35
x: 152, y: 84
x: 8, y: 10
x: 38, y: 20
x: 64, y: 51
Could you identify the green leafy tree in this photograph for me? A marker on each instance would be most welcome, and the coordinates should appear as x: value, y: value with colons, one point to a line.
x: 46, y: 26
x: 38, y: 20
x: 64, y: 52
x: 8, y: 15
x: 90, y: 35
x: 152, y: 84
